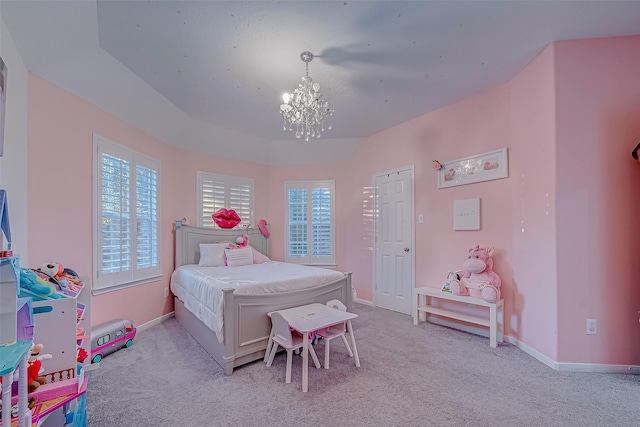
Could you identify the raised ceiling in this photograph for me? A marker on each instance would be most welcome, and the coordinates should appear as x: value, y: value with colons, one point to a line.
x: 209, y: 75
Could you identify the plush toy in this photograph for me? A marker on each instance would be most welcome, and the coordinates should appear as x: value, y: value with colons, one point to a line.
x: 53, y: 269
x: 262, y: 226
x: 30, y: 281
x: 478, y: 279
x: 242, y: 240
x: 64, y: 277
x: 34, y: 368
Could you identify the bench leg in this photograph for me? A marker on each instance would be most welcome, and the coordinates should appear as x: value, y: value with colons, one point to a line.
x: 501, y: 323
x: 493, y: 326
x: 419, y: 300
x: 414, y: 307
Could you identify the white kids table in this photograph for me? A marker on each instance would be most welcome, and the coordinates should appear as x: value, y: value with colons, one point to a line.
x: 312, y: 317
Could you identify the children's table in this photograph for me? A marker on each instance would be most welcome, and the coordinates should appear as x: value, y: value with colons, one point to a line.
x: 313, y: 317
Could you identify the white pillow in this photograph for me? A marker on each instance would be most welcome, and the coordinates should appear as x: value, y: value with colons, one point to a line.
x: 238, y: 257
x: 212, y: 254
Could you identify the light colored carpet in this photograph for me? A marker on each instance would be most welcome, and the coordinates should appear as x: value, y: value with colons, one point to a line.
x: 425, y: 375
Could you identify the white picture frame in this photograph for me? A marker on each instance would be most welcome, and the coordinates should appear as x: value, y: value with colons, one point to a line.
x: 482, y: 167
x: 466, y: 214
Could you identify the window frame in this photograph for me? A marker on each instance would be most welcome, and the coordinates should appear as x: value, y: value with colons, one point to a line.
x: 103, y: 283
x: 228, y: 181
x: 309, y: 259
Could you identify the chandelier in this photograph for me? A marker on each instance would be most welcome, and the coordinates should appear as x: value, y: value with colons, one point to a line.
x: 305, y: 108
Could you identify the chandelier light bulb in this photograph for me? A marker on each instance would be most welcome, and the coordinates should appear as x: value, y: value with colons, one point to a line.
x: 305, y: 108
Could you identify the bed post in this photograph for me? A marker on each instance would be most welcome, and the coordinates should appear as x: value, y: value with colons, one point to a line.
x: 349, y: 297
x: 229, y: 326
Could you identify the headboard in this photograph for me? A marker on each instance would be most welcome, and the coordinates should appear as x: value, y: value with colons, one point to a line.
x: 188, y: 241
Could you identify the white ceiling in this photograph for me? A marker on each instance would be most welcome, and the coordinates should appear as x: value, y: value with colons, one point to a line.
x: 209, y: 75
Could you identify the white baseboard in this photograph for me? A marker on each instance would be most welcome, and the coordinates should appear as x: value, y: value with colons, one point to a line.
x: 599, y: 368
x: 558, y: 366
x: 363, y: 302
x: 155, y: 321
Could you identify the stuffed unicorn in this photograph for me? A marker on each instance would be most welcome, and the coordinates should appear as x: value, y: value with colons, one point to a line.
x: 478, y: 279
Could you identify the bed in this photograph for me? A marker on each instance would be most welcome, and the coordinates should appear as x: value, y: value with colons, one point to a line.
x: 245, y: 324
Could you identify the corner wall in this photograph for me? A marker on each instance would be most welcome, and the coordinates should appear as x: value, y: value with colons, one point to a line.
x: 533, y: 316
x: 598, y: 197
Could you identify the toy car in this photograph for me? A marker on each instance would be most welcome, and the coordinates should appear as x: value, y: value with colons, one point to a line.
x: 111, y: 336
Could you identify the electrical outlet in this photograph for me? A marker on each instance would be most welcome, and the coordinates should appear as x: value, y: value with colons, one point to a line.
x: 166, y: 292
x: 591, y: 327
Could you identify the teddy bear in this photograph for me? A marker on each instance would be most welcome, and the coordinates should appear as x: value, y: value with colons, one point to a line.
x: 478, y: 279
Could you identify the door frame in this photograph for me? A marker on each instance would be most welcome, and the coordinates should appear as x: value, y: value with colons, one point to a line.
x: 412, y: 224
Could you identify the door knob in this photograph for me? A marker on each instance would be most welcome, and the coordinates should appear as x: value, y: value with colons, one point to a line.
x: 406, y: 249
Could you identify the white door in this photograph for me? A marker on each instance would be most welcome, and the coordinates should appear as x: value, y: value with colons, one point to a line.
x: 393, y: 250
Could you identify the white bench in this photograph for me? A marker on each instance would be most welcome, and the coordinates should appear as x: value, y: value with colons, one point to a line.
x: 422, y: 306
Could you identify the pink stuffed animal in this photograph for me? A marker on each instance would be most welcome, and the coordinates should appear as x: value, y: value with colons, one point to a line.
x: 262, y: 226
x: 478, y: 279
x: 242, y: 241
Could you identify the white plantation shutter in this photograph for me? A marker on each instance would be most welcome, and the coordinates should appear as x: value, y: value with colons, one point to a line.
x: 321, y: 222
x: 146, y: 217
x: 217, y: 191
x: 127, y: 235
x: 310, y: 232
x: 297, y: 223
x: 116, y: 213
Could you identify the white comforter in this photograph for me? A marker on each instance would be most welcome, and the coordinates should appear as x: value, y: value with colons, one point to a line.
x: 200, y: 288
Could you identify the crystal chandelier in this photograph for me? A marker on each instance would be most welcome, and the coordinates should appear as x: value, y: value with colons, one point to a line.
x: 305, y: 108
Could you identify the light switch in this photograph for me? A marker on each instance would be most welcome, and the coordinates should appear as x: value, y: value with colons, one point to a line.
x: 420, y: 218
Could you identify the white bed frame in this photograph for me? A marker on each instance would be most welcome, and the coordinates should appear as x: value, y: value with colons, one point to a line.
x: 246, y: 325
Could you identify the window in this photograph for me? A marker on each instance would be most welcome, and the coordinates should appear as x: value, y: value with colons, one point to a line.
x: 126, y: 216
x: 217, y: 191
x: 310, y: 234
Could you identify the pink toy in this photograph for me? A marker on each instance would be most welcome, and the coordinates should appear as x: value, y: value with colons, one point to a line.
x: 242, y: 240
x: 262, y: 226
x: 478, y: 279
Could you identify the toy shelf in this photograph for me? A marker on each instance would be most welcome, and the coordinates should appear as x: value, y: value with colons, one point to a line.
x: 56, y: 324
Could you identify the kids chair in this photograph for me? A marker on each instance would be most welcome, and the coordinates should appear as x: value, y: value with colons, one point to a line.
x: 334, y: 332
x: 281, y: 336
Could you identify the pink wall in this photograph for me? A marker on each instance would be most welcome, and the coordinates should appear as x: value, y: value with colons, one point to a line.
x: 61, y: 128
x: 598, y: 117
x: 473, y: 126
x: 276, y: 215
x: 532, y: 302
x: 188, y: 163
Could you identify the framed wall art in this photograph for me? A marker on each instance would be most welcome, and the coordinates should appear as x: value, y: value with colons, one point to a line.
x: 466, y: 214
x: 481, y: 167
